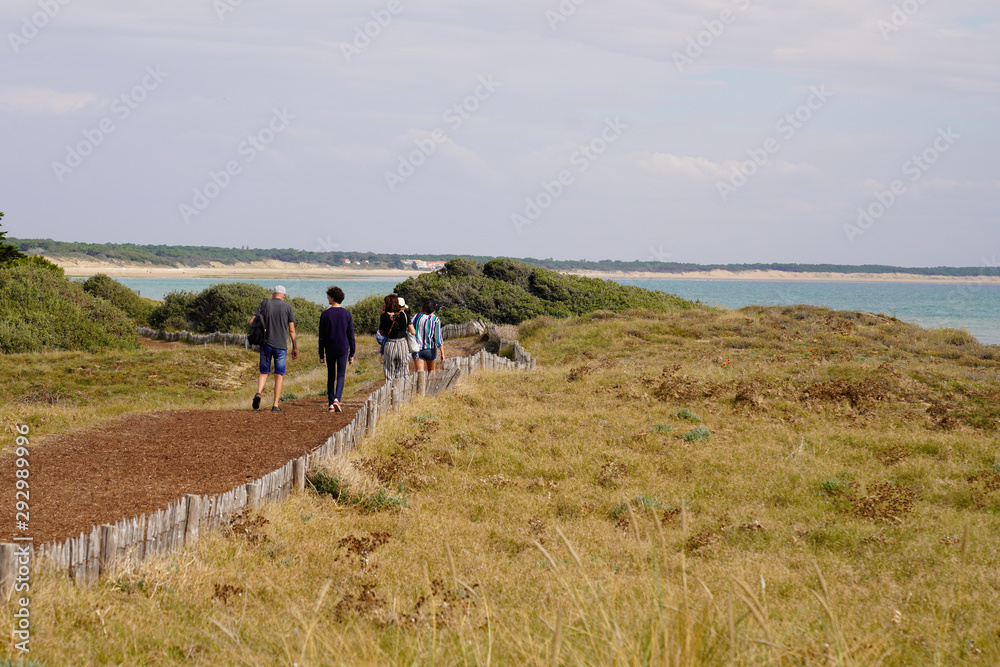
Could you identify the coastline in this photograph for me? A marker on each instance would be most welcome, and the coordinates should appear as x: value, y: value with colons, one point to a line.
x: 788, y: 276
x: 276, y: 269
x: 270, y: 269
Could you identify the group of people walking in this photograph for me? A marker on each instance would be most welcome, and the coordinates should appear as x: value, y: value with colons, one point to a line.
x: 404, y: 338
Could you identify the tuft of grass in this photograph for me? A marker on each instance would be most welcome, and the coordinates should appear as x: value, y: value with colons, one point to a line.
x: 686, y: 415
x: 697, y: 434
x: 643, y: 504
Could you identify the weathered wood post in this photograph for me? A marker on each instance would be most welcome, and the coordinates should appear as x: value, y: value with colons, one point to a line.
x: 193, y: 518
x: 109, y: 550
x: 299, y: 474
x: 396, y: 398
x: 421, y: 383
x: 253, y: 494
x: 372, y: 415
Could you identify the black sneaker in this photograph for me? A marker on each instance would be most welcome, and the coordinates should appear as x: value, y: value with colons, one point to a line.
x: 256, y: 402
x: 276, y: 409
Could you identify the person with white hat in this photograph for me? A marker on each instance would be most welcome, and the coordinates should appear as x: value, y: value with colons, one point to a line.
x: 393, y: 325
x: 279, y: 324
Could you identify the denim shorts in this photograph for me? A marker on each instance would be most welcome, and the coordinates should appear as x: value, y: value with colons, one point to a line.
x: 266, y: 354
x: 430, y: 354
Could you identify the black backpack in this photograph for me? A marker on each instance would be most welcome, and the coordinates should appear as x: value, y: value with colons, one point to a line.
x: 257, y: 332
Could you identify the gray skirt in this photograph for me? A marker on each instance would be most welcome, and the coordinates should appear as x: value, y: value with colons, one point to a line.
x: 395, y: 359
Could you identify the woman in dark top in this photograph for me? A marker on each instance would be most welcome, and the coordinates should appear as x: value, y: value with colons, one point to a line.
x: 394, y: 324
x: 336, y: 345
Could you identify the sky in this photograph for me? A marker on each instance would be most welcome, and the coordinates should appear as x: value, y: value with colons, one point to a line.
x: 708, y: 131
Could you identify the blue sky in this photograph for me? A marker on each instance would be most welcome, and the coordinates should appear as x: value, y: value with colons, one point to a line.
x: 725, y: 131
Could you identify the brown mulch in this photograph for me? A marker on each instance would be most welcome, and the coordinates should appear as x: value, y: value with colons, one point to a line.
x: 141, y: 463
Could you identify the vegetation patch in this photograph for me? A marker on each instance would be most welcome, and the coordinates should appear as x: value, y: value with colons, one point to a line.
x: 509, y: 292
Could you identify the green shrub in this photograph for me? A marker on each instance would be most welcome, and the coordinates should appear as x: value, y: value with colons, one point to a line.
x: 226, y: 307
x: 327, y: 484
x: 366, y: 314
x: 307, y: 314
x: 39, y: 262
x: 171, y: 315
x: 42, y: 310
x: 132, y: 304
x: 509, y: 292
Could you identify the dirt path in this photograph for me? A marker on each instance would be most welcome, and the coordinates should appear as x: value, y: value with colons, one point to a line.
x: 140, y: 463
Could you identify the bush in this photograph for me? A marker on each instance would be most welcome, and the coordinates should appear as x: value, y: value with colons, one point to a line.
x: 132, y: 304
x: 227, y: 308
x: 42, y: 310
x: 307, y: 314
x: 366, y: 314
x: 171, y: 315
x: 39, y: 262
x: 508, y: 292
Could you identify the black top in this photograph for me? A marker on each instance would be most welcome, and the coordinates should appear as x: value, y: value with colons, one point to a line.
x: 398, y: 325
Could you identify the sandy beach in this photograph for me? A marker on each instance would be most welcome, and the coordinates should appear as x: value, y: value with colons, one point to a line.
x: 270, y: 269
x: 276, y: 269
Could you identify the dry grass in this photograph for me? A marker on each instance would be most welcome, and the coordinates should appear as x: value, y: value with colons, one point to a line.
x: 834, y: 516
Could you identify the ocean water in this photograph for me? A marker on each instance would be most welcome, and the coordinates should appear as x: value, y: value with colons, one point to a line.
x: 973, y: 307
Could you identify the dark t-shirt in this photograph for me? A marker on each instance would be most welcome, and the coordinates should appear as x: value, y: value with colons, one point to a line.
x: 276, y: 315
x: 399, y: 330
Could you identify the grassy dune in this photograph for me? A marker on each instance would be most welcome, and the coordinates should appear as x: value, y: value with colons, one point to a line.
x: 764, y: 486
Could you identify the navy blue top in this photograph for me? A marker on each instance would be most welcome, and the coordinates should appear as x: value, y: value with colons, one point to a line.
x: 336, y: 333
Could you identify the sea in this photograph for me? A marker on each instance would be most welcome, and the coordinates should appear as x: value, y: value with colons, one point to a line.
x: 974, y: 307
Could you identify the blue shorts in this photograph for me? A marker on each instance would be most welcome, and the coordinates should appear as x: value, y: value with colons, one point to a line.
x: 266, y: 354
x: 430, y: 354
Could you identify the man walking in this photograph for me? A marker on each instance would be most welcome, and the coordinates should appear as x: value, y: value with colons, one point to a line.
x: 336, y: 345
x: 279, y: 323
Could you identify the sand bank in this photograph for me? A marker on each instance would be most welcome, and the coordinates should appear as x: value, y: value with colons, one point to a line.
x: 276, y: 269
x: 269, y: 269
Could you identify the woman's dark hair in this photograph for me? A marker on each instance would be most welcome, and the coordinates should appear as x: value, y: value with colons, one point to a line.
x: 430, y: 305
x: 392, y: 304
x: 336, y: 294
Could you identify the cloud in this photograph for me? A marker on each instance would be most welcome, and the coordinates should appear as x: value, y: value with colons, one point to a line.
x: 45, y: 101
